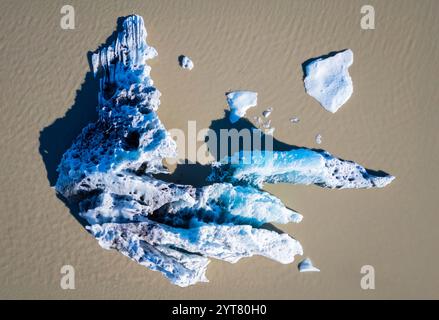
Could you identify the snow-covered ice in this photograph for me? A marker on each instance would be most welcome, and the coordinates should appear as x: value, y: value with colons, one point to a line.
x: 239, y: 102
x: 318, y: 138
x: 186, y: 62
x: 306, y: 266
x: 327, y: 79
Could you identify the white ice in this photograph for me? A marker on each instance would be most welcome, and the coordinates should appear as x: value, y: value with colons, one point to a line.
x: 327, y: 80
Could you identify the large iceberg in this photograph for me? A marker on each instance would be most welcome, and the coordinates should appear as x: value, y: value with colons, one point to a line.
x: 111, y: 170
x: 327, y: 79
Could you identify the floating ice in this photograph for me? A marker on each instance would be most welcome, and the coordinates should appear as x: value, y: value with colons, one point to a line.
x: 186, y: 62
x: 269, y: 131
x: 239, y: 102
x: 318, y: 138
x: 109, y: 172
x: 327, y: 80
x: 294, y: 120
x: 267, y: 113
x: 306, y: 266
x: 297, y: 166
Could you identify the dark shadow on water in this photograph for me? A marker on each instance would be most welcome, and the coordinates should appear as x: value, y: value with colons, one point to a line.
x: 74, y: 210
x: 307, y: 62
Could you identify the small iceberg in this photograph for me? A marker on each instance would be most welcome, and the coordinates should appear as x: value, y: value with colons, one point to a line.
x: 328, y: 81
x: 186, y: 62
x: 306, y: 266
x: 239, y: 102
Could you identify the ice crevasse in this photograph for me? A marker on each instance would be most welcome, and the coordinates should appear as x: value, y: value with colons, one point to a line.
x: 110, y: 172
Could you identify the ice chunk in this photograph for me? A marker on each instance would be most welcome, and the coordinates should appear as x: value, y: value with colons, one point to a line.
x: 185, y: 260
x: 297, y: 166
x: 294, y: 120
x: 327, y: 79
x: 109, y: 172
x: 269, y: 131
x: 186, y: 62
x: 267, y: 113
x: 306, y: 266
x: 318, y: 138
x: 239, y: 102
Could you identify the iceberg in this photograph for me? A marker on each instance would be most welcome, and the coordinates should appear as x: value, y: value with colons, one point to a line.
x: 111, y: 173
x: 239, y: 102
x: 327, y: 79
x: 306, y: 266
x: 186, y: 62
